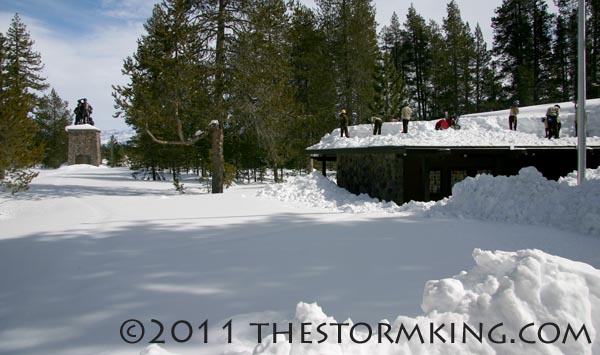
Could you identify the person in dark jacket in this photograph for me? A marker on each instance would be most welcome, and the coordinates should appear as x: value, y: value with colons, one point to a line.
x: 377, y: 123
x: 512, y: 116
x: 344, y: 124
x: 552, y: 120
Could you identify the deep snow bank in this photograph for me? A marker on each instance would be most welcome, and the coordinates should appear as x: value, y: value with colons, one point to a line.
x: 527, y: 290
x: 317, y: 191
x: 526, y: 296
x: 527, y: 198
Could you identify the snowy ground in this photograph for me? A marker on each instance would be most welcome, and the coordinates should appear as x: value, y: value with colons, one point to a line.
x: 89, y: 248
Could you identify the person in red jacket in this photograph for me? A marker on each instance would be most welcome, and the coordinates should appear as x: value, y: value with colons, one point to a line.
x: 442, y: 124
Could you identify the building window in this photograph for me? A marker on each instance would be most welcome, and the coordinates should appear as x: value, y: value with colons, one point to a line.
x: 435, y: 181
x: 457, y: 176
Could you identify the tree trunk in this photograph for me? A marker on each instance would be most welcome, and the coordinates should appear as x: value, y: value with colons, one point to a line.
x: 217, y: 158
x: 217, y: 130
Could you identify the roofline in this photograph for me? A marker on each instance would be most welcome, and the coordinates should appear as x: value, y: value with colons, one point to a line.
x: 430, y: 149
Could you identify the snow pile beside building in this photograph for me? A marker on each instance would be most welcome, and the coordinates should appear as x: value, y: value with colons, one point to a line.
x: 571, y: 179
x: 527, y: 198
x: 515, y: 297
x: 317, y: 191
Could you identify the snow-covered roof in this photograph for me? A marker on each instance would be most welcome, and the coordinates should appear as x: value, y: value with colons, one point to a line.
x: 477, y: 130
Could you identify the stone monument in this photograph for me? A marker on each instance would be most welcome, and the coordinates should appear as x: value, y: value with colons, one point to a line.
x: 84, y: 137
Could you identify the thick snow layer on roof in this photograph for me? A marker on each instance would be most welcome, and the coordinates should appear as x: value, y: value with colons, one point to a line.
x: 477, y: 130
x: 81, y: 127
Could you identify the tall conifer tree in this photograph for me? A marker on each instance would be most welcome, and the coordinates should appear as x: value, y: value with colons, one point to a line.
x: 21, y: 80
x: 166, y: 98
x: 313, y: 80
x: 394, y: 71
x: 52, y: 116
x: 262, y: 75
x: 417, y: 46
x: 522, y: 42
x: 459, y: 53
x: 483, y: 76
x: 351, y: 31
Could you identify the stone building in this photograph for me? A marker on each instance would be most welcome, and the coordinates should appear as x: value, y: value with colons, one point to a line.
x: 424, y: 164
x: 403, y: 174
x: 84, y: 144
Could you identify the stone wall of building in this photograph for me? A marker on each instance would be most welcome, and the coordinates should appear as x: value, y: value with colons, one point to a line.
x: 84, y: 145
x: 378, y: 175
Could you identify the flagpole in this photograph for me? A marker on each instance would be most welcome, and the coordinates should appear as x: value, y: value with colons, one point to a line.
x: 581, y: 96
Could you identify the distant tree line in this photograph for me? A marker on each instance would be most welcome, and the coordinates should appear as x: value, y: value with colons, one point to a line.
x: 449, y: 67
x: 275, y: 74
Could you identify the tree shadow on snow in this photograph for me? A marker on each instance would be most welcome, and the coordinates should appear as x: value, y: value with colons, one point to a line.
x: 73, y: 290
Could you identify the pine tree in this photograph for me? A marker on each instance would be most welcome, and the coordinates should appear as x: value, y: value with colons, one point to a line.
x: 459, y: 53
x: 167, y: 98
x: 21, y: 79
x: 566, y: 46
x: 543, y: 88
x: 561, y: 66
x: 481, y: 69
x: 350, y: 28
x: 313, y: 80
x: 439, y: 89
x: 417, y: 46
x: 522, y: 41
x: 218, y: 22
x: 3, y: 88
x: 511, y: 40
x: 593, y: 48
x: 113, y: 151
x: 393, y: 69
x: 52, y: 116
x: 262, y: 77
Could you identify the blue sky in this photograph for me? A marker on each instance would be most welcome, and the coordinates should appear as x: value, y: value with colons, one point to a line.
x: 75, y: 16
x: 83, y: 42
x: 83, y: 45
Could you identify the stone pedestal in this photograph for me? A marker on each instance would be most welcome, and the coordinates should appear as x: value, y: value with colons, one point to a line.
x: 84, y: 144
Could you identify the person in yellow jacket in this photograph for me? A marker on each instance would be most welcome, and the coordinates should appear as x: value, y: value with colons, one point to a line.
x: 512, y: 116
x: 406, y: 115
x: 344, y: 124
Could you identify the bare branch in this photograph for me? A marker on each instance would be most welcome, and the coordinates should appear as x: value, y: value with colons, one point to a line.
x: 193, y: 141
